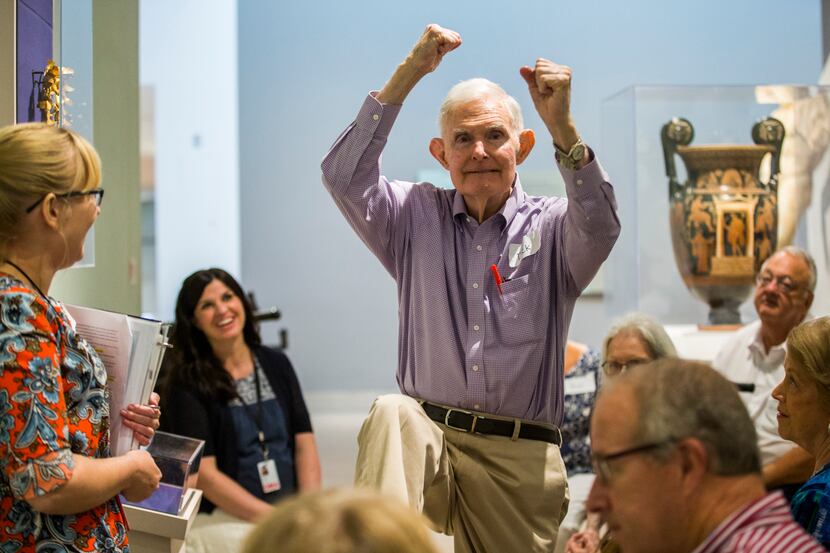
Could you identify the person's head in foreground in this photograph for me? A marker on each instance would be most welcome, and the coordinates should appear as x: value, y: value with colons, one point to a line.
x: 634, y: 339
x: 49, y: 197
x: 674, y: 454
x: 341, y: 521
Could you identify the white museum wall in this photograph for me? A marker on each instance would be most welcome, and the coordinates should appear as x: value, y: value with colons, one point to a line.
x: 304, y: 69
x: 189, y: 58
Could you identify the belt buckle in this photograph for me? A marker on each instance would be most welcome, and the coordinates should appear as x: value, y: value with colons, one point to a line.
x: 460, y: 428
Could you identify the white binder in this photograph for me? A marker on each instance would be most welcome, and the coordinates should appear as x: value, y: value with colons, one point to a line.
x: 132, y: 349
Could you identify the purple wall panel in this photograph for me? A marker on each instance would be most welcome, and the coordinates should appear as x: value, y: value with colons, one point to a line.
x: 34, y: 49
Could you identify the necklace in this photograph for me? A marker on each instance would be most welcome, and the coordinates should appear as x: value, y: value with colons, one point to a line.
x: 32, y: 282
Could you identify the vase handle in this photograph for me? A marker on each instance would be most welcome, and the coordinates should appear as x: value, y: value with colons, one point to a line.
x: 770, y: 132
x: 677, y: 132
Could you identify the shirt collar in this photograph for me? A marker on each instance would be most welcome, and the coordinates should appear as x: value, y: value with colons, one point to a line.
x: 507, y: 211
x: 757, y: 344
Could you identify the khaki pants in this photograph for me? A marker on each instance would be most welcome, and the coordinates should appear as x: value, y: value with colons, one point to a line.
x: 494, y: 494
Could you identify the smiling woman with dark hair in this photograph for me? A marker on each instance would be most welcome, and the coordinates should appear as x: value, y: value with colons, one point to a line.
x: 244, y: 400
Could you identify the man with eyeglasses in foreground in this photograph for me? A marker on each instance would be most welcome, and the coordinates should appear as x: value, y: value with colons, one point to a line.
x: 678, y: 468
x: 754, y: 359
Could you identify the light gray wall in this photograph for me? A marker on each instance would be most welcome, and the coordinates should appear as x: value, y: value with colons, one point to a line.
x: 189, y: 59
x: 304, y: 68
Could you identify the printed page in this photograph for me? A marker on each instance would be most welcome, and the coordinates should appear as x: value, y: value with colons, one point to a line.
x: 109, y: 334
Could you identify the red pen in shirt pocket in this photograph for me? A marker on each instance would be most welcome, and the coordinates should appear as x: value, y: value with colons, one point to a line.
x: 497, y: 278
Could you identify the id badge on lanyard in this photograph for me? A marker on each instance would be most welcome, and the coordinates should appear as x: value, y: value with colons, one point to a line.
x: 267, y: 468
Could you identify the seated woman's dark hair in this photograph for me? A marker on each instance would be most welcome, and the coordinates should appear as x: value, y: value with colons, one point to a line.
x: 192, y: 359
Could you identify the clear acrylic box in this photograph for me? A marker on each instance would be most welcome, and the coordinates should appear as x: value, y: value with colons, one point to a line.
x: 641, y: 274
x: 178, y: 458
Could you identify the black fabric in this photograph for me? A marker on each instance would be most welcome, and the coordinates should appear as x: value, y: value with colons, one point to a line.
x: 462, y: 420
x: 189, y: 413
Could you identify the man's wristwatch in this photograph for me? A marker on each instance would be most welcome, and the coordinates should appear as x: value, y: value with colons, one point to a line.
x: 571, y: 159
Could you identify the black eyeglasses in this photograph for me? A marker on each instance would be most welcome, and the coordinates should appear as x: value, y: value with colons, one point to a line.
x: 600, y: 462
x: 783, y: 283
x: 97, y: 192
x: 613, y: 368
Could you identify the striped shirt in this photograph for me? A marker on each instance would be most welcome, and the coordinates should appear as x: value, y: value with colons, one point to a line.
x: 463, y: 341
x: 763, y: 526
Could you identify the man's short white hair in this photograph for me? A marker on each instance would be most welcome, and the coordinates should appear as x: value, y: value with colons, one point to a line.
x: 804, y: 256
x: 473, y: 89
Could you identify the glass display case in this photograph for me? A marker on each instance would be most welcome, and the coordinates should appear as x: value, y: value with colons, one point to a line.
x: 53, y: 71
x: 642, y: 273
x: 178, y: 458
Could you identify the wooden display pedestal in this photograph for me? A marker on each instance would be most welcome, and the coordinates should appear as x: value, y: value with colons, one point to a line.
x: 155, y: 532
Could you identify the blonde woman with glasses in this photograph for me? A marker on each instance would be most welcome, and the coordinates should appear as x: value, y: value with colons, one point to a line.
x: 59, y: 485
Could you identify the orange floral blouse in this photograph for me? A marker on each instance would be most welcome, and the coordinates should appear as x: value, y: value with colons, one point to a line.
x: 53, y: 403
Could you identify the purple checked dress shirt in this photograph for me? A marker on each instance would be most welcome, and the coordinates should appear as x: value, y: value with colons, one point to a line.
x: 460, y: 341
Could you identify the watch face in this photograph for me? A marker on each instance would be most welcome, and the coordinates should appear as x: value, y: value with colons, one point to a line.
x: 578, y: 152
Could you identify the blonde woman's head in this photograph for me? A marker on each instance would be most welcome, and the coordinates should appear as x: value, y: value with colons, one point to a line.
x: 341, y: 521
x: 36, y: 160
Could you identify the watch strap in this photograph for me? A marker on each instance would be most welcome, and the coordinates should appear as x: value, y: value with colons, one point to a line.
x: 572, y: 157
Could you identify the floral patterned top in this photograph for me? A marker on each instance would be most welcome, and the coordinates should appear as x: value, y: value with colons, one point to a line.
x: 53, y: 403
x: 581, y: 384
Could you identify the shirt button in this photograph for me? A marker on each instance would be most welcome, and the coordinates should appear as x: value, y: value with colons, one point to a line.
x: 469, y: 220
x: 476, y: 406
x: 578, y: 182
x: 475, y: 368
x: 475, y: 327
x: 475, y: 285
x: 376, y: 117
x: 478, y: 248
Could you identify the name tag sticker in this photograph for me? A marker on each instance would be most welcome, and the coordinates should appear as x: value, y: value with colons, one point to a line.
x: 584, y: 384
x: 268, y: 475
x: 531, y: 242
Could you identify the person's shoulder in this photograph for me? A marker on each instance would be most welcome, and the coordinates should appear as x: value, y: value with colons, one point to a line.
x: 748, y: 331
x: 12, y: 290
x: 816, y: 490
x: 739, y: 340
x: 428, y: 192
x: 274, y: 360
x: 23, y: 309
x: 271, y: 353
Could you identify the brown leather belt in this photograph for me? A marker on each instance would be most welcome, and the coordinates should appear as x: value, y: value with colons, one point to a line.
x: 466, y: 421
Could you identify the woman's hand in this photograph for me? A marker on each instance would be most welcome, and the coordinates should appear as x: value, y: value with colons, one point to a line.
x: 144, y: 478
x: 143, y: 419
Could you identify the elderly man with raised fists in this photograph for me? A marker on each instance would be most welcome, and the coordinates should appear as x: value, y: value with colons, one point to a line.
x: 487, y: 279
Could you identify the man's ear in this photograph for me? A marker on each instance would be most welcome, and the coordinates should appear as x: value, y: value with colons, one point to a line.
x: 694, y: 459
x: 527, y: 139
x: 808, y: 301
x: 436, y: 148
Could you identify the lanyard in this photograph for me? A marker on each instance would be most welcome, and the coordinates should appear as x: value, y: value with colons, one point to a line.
x: 257, y: 420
